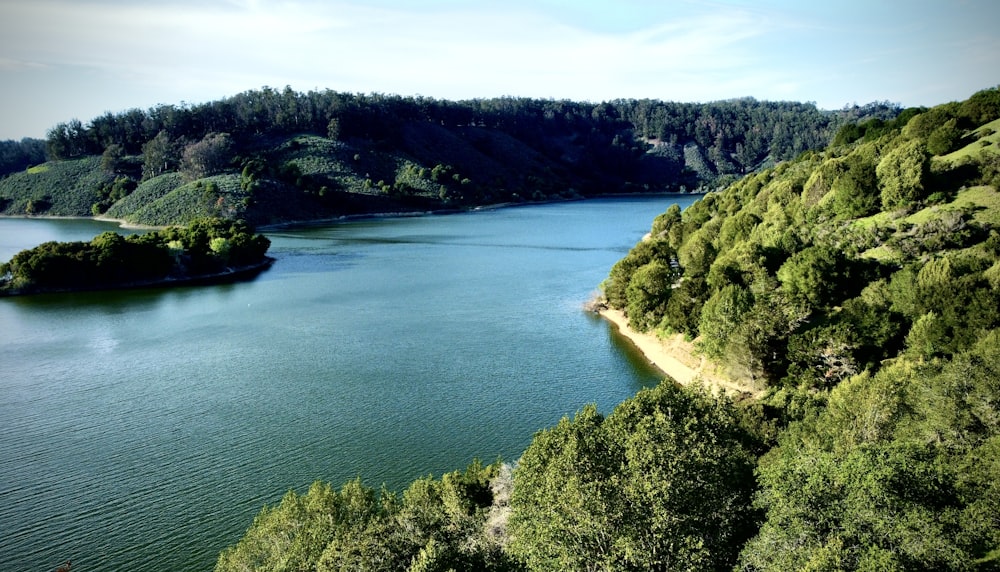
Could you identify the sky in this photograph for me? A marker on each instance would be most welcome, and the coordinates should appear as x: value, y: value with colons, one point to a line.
x: 77, y: 59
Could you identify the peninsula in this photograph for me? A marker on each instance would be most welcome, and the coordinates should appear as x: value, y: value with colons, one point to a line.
x: 208, y: 250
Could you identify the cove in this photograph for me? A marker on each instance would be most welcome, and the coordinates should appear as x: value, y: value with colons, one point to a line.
x: 145, y: 429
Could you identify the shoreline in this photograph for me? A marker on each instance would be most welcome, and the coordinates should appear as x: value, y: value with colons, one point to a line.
x: 284, y: 225
x: 675, y: 358
x: 122, y: 223
x: 291, y: 224
x: 228, y: 275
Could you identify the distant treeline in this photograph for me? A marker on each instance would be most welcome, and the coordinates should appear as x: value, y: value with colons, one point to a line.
x: 729, y: 137
x: 19, y: 155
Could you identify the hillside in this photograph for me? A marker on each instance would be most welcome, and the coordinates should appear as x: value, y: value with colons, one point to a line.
x: 268, y: 156
x: 858, y: 288
x: 782, y: 267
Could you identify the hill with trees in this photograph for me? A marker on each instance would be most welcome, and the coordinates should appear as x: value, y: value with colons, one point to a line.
x: 270, y: 156
x: 858, y: 287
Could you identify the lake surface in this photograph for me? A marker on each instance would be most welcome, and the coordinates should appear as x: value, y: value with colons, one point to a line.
x: 144, y: 430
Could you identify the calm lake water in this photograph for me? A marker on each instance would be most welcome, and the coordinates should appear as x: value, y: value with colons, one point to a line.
x: 144, y: 430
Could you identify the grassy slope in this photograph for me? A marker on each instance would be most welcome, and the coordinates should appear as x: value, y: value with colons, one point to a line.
x: 984, y: 139
x: 481, y: 166
x: 69, y: 188
x: 338, y: 178
x: 982, y: 201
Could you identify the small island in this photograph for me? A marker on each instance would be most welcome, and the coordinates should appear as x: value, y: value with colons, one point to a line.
x: 209, y: 250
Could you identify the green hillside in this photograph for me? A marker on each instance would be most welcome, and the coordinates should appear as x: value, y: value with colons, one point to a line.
x: 859, y: 288
x: 268, y: 156
x: 56, y: 188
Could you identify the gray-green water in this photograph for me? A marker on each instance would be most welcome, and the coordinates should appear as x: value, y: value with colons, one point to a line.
x: 143, y: 430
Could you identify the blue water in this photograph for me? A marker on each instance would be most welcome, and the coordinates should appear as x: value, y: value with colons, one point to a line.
x: 144, y: 430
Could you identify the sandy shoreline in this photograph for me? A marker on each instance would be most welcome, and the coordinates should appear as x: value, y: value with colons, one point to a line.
x: 676, y: 358
x: 122, y: 223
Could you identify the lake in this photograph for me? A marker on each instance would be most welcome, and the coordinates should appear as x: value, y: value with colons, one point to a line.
x: 143, y: 430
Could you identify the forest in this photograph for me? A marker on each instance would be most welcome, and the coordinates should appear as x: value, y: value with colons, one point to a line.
x: 215, y: 248
x: 269, y: 156
x: 857, y: 286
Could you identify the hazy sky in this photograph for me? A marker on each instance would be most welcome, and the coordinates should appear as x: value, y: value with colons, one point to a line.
x: 65, y: 59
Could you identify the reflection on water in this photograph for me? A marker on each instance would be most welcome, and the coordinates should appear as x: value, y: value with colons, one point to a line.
x: 628, y: 349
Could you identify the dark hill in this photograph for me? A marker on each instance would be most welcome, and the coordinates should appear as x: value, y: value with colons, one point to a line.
x: 270, y: 156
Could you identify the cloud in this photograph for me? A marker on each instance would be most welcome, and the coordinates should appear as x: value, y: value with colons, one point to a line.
x: 7, y: 64
x: 133, y: 53
x: 451, y: 51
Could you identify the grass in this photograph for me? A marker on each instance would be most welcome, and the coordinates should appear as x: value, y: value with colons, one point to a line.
x: 882, y: 253
x: 68, y: 188
x: 190, y: 201
x: 985, y: 202
x: 874, y: 221
x: 977, y: 146
x: 982, y: 201
x: 147, y: 192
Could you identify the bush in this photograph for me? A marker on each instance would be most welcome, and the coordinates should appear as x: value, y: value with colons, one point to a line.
x: 664, y: 482
x: 903, y: 174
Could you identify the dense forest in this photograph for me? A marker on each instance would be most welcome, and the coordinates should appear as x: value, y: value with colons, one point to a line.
x: 207, y: 249
x: 271, y: 155
x: 857, y: 286
x: 19, y: 155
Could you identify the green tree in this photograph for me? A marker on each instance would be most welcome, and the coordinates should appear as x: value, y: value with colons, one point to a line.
x: 697, y: 254
x: 665, y: 222
x: 927, y: 337
x: 903, y: 175
x: 158, y: 156
x: 615, y: 288
x: 943, y: 140
x: 824, y: 276
x: 721, y: 316
x: 206, y: 157
x: 881, y: 479
x: 683, y: 311
x: 848, y: 133
x: 648, y: 293
x: 333, y: 129
x: 855, y: 192
x: 981, y: 108
x: 663, y: 483
x: 113, y: 154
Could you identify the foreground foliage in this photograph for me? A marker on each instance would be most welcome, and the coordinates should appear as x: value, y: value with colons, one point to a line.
x: 663, y: 483
x: 204, y: 248
x: 899, y: 472
x: 434, y: 525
